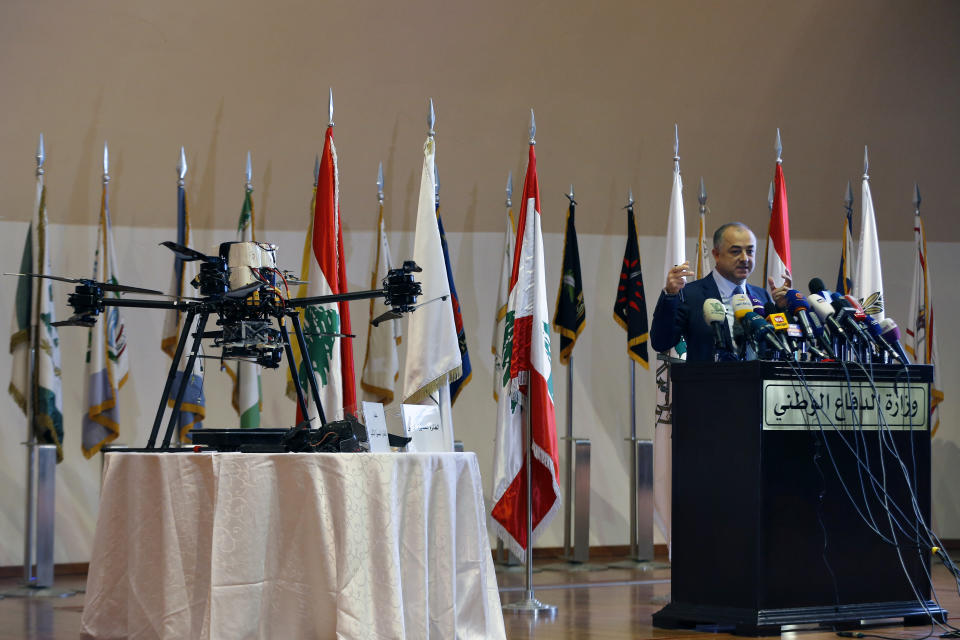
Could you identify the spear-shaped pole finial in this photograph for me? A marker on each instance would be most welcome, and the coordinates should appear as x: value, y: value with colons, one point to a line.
x: 249, y: 173
x: 41, y: 156
x: 533, y: 128
x: 181, y: 167
x: 848, y: 199
x: 702, y: 195
x: 106, y: 163
x: 570, y: 195
x: 380, y: 184
x: 510, y: 189
x: 778, y: 147
x: 436, y: 186
x: 330, y: 109
x: 316, y: 169
x: 630, y: 200
x: 431, y: 119
x: 866, y: 163
x: 770, y: 197
x: 676, y: 143
x: 916, y: 199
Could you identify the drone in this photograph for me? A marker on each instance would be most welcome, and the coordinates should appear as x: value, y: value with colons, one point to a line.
x: 248, y: 296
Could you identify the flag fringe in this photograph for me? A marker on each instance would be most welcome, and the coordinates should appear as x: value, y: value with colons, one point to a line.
x: 426, y: 390
x: 385, y: 396
x: 18, y: 396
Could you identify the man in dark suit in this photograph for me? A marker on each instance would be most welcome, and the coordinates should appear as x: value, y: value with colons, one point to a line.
x: 679, y: 311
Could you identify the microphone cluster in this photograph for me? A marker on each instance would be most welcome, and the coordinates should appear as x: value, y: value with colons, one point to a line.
x: 823, y: 326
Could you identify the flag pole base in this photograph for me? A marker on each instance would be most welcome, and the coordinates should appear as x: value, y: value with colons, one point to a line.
x: 573, y: 566
x: 530, y: 606
x: 639, y: 564
x: 37, y: 592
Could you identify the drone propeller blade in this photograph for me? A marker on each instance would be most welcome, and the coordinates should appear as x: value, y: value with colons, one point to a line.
x: 383, y: 317
x: 42, y: 275
x: 76, y: 321
x: 243, y: 292
x: 329, y: 334
x: 184, y: 253
x: 123, y: 288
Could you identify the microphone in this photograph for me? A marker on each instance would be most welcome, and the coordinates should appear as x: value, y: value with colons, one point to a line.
x: 780, y: 324
x: 825, y: 312
x: 816, y: 286
x: 891, y: 335
x: 847, y: 314
x: 801, y: 311
x: 741, y: 307
x: 715, y: 315
x: 876, y: 332
x: 760, y: 329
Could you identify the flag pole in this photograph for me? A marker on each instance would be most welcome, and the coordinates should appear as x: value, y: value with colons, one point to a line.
x: 529, y: 605
x: 29, y: 530
x: 634, y: 477
x: 568, y: 481
x: 443, y: 391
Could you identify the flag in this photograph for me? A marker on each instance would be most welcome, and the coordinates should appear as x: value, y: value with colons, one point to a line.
x: 777, y: 259
x: 433, y: 351
x: 193, y: 408
x: 526, y: 386
x: 921, y: 341
x: 466, y: 370
x: 381, y: 365
x: 703, y: 249
x: 325, y: 270
x: 247, y: 396
x: 570, y: 314
x: 630, y: 309
x: 107, y: 355
x: 868, y: 283
x: 506, y: 267
x: 847, y: 266
x: 34, y: 317
x: 663, y: 425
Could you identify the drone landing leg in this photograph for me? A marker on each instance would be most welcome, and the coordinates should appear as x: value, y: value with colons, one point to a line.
x: 293, y: 371
x: 312, y: 377
x: 152, y: 441
x: 184, y: 380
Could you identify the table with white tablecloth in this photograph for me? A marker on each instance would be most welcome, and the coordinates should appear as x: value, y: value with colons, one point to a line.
x: 312, y: 545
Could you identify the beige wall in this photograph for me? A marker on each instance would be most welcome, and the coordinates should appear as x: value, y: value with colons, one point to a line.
x: 607, y: 79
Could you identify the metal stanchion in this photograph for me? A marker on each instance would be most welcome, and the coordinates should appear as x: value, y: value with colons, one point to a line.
x: 529, y: 605
x: 577, y: 558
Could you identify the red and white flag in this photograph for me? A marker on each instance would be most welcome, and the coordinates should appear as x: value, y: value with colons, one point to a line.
x: 526, y: 385
x: 777, y: 260
x: 324, y: 268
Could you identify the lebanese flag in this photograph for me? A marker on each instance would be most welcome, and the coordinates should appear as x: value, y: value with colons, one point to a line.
x: 777, y: 261
x: 330, y: 355
x: 526, y: 385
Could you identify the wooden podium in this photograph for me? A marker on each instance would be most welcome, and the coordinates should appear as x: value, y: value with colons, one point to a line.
x: 764, y: 532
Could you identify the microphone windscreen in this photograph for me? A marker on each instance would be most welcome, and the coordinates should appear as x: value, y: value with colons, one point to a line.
x: 855, y: 305
x: 757, y: 305
x: 769, y: 308
x: 890, y: 329
x: 779, y: 321
x: 741, y: 305
x: 816, y: 285
x: 796, y: 301
x: 713, y: 311
x: 820, y: 306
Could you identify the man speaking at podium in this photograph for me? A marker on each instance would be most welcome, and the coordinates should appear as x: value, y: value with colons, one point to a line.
x: 679, y: 311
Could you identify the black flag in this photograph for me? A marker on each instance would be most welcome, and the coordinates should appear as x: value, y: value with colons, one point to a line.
x: 570, y: 315
x: 630, y: 310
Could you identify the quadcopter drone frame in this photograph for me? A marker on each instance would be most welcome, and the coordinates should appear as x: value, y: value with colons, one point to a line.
x: 234, y: 308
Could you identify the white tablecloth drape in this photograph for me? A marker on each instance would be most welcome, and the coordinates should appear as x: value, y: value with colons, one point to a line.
x: 230, y: 545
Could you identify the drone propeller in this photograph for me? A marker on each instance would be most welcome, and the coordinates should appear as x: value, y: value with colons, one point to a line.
x: 106, y: 286
x: 186, y: 253
x: 76, y: 321
x: 329, y: 334
x: 393, y: 315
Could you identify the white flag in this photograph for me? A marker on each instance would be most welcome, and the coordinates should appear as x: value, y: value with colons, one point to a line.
x: 433, y: 352
x: 247, y: 393
x: 381, y: 366
x: 34, y: 313
x: 107, y: 355
x: 868, y: 283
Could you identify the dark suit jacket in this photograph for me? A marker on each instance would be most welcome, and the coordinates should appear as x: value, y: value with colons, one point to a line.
x: 675, y: 318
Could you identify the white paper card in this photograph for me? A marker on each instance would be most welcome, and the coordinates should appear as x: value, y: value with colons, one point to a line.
x: 376, y: 423
x: 422, y: 423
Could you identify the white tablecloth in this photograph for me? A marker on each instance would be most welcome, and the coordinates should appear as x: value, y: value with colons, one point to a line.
x: 292, y: 546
